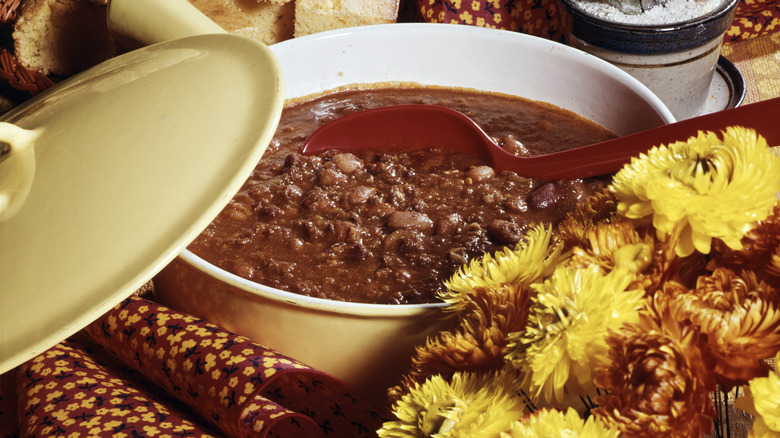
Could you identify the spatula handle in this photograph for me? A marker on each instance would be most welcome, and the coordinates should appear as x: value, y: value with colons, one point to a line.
x: 610, y: 156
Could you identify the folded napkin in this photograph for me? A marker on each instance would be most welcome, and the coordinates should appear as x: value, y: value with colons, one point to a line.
x: 146, y: 370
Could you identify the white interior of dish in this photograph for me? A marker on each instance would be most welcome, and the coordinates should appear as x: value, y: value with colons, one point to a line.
x: 453, y: 56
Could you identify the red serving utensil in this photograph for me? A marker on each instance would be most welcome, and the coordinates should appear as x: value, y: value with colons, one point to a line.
x: 432, y: 126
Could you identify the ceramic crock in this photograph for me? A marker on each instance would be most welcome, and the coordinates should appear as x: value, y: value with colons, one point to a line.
x: 676, y: 60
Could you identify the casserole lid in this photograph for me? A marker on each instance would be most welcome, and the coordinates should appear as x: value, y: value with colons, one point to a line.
x: 107, y: 176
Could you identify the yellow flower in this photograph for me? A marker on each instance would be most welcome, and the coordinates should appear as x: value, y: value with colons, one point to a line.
x: 567, y: 325
x: 609, y: 245
x: 530, y: 260
x: 763, y: 402
x: 553, y: 423
x: 701, y: 189
x: 473, y: 405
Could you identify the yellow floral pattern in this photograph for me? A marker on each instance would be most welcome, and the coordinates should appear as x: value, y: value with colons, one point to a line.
x: 199, y: 381
x: 65, y: 391
x: 534, y: 17
x: 754, y: 18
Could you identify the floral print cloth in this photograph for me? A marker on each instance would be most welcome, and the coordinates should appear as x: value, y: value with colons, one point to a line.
x: 177, y: 376
x: 534, y: 17
x: 754, y: 18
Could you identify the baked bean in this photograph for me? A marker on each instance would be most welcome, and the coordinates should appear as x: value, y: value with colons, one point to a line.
x: 448, y: 225
x: 480, y: 173
x: 331, y: 177
x: 514, y: 146
x: 359, y: 194
x: 506, y: 232
x: 410, y: 219
x: 347, y: 163
x: 389, y: 226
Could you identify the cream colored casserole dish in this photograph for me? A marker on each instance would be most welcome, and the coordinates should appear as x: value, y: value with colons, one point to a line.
x: 369, y: 345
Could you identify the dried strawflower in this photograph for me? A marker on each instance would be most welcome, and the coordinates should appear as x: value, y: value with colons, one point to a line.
x: 657, y: 380
x: 546, y: 423
x: 601, y: 207
x: 533, y: 258
x: 740, y: 316
x: 567, y: 324
x: 701, y: 189
x: 479, y: 341
x: 759, y: 246
x: 762, y: 400
x: 469, y: 405
x: 613, y: 244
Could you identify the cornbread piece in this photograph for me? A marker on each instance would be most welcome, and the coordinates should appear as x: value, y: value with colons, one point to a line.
x: 267, y: 22
x: 313, y: 16
x: 62, y: 37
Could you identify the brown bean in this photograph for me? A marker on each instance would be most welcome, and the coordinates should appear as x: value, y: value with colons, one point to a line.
x: 514, y: 146
x: 378, y: 209
x: 410, y: 219
x: 505, y: 232
x: 347, y: 163
x: 292, y: 193
x: 359, y: 194
x: 448, y: 225
x: 480, y: 173
x: 239, y: 212
x: 330, y: 177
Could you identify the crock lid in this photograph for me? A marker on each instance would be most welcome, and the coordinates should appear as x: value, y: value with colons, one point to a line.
x: 107, y: 176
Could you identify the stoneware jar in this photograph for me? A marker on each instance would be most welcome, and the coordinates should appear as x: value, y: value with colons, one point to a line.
x: 676, y: 61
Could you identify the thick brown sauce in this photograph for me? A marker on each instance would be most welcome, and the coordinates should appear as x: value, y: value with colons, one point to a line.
x: 384, y: 227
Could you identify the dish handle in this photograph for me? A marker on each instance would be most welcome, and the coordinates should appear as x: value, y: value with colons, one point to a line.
x: 137, y: 23
x: 17, y: 167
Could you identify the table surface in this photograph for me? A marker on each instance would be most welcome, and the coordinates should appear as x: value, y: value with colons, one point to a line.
x: 758, y: 59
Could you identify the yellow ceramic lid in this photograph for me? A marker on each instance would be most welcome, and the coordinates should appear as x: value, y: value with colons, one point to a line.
x: 116, y: 170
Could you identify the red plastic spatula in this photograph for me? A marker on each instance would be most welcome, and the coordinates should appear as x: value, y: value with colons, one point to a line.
x: 432, y: 126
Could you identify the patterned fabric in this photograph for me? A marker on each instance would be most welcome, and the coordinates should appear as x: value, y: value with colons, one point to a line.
x: 223, y: 383
x: 69, y: 389
x: 754, y: 18
x: 534, y: 17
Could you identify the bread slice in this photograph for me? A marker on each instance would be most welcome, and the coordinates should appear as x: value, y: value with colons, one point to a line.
x: 312, y: 16
x: 264, y: 21
x: 62, y: 37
